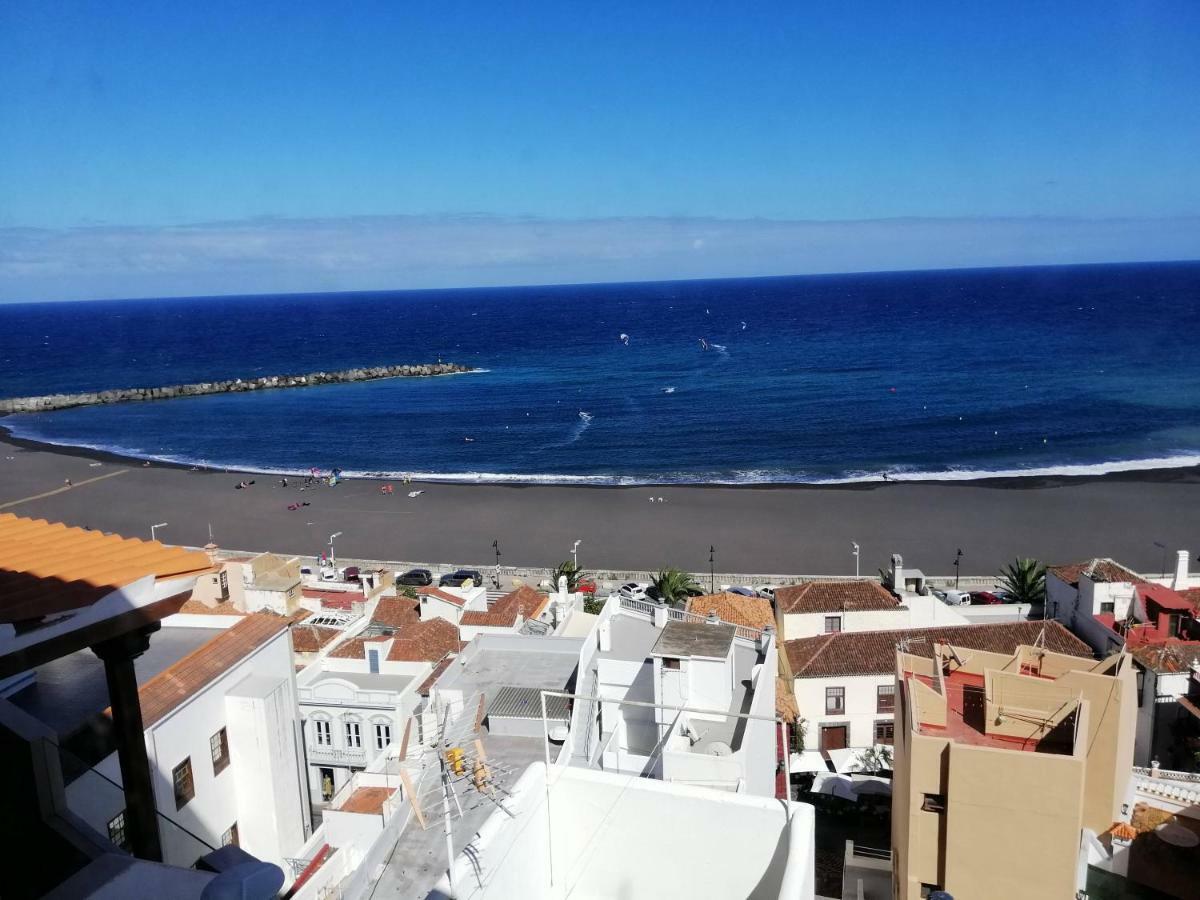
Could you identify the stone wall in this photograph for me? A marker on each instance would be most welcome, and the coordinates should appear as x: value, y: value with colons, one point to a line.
x: 232, y: 386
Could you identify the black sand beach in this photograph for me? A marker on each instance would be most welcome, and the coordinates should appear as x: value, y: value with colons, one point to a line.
x: 777, y: 529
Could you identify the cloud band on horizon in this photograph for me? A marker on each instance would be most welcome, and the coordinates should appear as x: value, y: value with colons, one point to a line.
x: 398, y: 252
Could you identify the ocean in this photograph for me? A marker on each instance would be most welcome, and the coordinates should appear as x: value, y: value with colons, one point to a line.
x: 920, y: 375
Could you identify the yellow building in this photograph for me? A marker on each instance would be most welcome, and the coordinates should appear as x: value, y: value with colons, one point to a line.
x: 1000, y: 762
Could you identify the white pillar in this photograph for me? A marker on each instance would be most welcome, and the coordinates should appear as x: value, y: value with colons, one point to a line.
x: 660, y: 615
x: 1181, y: 570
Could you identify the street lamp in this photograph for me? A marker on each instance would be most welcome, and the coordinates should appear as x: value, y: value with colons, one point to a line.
x: 712, y: 577
x: 854, y: 546
x: 496, y: 577
x: 332, y: 558
x: 1163, y: 547
x: 575, y: 553
x: 957, y: 560
x: 154, y: 528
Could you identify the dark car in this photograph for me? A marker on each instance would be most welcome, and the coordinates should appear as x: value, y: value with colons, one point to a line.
x: 350, y: 573
x: 456, y: 579
x: 984, y: 598
x: 415, y: 578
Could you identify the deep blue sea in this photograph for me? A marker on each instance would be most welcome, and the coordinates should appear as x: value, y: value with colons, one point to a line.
x: 810, y: 379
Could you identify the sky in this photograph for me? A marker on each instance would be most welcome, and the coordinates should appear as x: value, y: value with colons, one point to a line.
x: 155, y: 148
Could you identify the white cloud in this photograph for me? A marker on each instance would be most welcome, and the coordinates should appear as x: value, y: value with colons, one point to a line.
x: 395, y: 252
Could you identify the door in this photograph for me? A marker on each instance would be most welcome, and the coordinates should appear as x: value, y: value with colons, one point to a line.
x: 326, y: 784
x: 833, y: 737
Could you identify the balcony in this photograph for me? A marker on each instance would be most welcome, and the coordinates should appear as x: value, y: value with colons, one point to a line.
x: 338, y: 756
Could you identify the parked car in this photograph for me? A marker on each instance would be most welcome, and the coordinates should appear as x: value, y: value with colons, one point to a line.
x: 633, y: 590
x: 1005, y: 596
x: 586, y: 587
x: 460, y: 578
x: 954, y: 598
x: 743, y: 591
x: 983, y: 598
x: 350, y: 573
x: 767, y: 591
x: 415, y: 578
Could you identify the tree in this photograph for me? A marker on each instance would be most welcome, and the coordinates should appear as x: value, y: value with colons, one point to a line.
x: 575, y: 576
x: 885, y: 578
x: 410, y: 592
x: 1025, y: 580
x: 672, y: 585
x: 875, y: 758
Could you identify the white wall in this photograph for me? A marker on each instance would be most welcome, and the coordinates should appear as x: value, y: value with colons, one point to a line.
x: 760, y: 749
x: 809, y: 624
x: 861, y: 703
x: 433, y: 607
x: 710, y: 685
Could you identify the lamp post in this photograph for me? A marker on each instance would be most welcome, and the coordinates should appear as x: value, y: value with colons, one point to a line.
x: 1163, y: 547
x: 575, y: 554
x: 332, y: 558
x: 854, y: 550
x: 957, y: 560
x: 712, y: 575
x: 496, y: 577
x: 154, y: 528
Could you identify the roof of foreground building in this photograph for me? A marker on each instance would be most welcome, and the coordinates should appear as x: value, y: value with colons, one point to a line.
x: 834, y: 596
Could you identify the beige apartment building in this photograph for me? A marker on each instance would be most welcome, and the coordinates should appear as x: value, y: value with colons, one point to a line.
x: 1000, y: 762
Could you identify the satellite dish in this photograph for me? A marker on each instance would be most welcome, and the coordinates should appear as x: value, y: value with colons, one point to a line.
x: 720, y: 748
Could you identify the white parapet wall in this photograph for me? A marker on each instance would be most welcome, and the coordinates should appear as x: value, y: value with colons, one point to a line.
x: 596, y: 834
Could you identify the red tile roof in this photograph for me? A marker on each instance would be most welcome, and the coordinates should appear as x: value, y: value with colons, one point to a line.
x: 441, y: 595
x: 1099, y: 569
x: 427, y: 684
x: 355, y: 648
x: 333, y: 599
x: 204, y: 665
x: 428, y: 641
x: 50, y: 568
x: 395, y: 612
x: 834, y: 596
x: 753, y: 612
x: 1168, y: 656
x: 193, y: 607
x: 366, y: 800
x: 1192, y: 596
x: 311, y: 638
x: 524, y: 600
x: 1164, y: 597
x: 874, y: 652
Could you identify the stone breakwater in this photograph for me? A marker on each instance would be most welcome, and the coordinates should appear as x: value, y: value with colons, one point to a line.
x: 231, y: 386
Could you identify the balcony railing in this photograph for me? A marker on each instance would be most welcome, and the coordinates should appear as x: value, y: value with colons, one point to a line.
x: 359, y: 698
x: 646, y: 608
x: 341, y: 755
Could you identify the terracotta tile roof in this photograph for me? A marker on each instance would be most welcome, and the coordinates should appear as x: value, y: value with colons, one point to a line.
x: 753, y: 612
x: 1098, y: 569
x: 48, y: 568
x: 1192, y: 596
x: 311, y: 638
x: 367, y: 800
x: 428, y: 641
x: 333, y: 599
x: 441, y: 595
x: 1168, y: 656
x: 874, y: 652
x: 785, y: 700
x: 834, y: 596
x: 355, y: 648
x: 524, y: 600
x: 427, y: 684
x: 1124, y: 831
x: 190, y: 675
x: 196, y: 608
x: 1164, y: 597
x: 395, y: 612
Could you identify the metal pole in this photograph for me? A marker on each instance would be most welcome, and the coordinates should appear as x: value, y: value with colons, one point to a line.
x: 449, y: 830
x: 154, y: 528
x: 712, y: 577
x: 787, y: 769
x: 549, y: 820
x: 854, y: 544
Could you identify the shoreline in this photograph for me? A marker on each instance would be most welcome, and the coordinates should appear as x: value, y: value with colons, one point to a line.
x: 1184, y: 474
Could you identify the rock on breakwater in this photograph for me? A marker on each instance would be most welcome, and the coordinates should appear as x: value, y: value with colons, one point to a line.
x: 50, y: 402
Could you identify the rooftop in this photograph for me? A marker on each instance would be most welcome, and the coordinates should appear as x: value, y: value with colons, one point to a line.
x: 1164, y: 597
x: 1099, y: 569
x: 363, y: 681
x: 752, y: 612
x: 428, y: 641
x: 1168, y: 656
x: 523, y: 601
x: 395, y: 612
x: 448, y: 596
x: 311, y: 638
x: 874, y: 652
x: 694, y: 639
x: 48, y: 568
x: 367, y: 800
x: 492, y: 661
x: 834, y: 596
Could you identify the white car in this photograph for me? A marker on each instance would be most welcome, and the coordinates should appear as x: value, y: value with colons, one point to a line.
x: 954, y: 598
x: 633, y: 590
x: 767, y: 591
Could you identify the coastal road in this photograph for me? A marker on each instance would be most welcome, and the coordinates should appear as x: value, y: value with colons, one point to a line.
x: 765, y: 530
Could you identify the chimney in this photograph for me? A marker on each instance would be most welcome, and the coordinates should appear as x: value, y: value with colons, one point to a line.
x: 1181, y: 571
x: 660, y: 614
x: 712, y: 618
x: 211, y: 549
x: 562, y: 588
x: 897, y: 572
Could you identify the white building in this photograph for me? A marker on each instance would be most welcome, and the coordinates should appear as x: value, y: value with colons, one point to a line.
x: 1168, y: 678
x: 597, y: 834
x: 832, y: 606
x: 845, y: 683
x: 450, y: 603
x: 222, y: 737
x: 1090, y: 597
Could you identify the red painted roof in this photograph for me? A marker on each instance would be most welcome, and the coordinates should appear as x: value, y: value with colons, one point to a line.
x: 333, y: 599
x: 442, y: 595
x: 1099, y: 569
x: 1164, y: 597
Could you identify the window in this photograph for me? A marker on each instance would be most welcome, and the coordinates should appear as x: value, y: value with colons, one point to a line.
x: 885, y: 732
x: 181, y: 776
x: 116, y: 831
x: 927, y: 889
x: 670, y: 663
x: 353, y: 736
x: 383, y: 735
x: 373, y: 661
x: 885, y: 698
x: 1109, y: 606
x: 224, y: 583
x: 833, y: 624
x: 934, y: 803
x: 835, y: 701
x: 230, y: 836
x: 322, y: 733
x: 1141, y: 683
x: 218, y: 745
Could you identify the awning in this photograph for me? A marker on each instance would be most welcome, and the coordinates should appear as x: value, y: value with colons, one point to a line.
x: 847, y: 760
x: 834, y: 785
x: 808, y: 761
x: 871, y: 784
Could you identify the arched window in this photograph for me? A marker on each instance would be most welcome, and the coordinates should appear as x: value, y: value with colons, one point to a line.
x: 322, y: 730
x: 352, y: 725
x: 381, y: 731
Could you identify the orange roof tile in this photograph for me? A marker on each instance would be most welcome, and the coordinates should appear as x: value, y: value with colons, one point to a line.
x: 524, y: 600
x: 193, y: 607
x: 441, y: 595
x: 753, y: 612
x: 1098, y: 569
x: 355, y: 648
x: 427, y: 684
x: 834, y: 596
x: 428, y: 641
x: 48, y: 568
x: 395, y: 612
x: 187, y: 677
x: 367, y: 800
x: 311, y: 638
x: 1124, y: 831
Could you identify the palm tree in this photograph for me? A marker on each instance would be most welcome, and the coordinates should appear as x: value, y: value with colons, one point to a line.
x: 575, y: 576
x: 1025, y: 580
x: 672, y: 585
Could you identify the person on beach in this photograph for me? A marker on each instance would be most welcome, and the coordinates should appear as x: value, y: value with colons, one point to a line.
x: 67, y: 481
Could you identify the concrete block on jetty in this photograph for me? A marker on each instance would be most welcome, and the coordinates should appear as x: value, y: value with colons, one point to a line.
x: 50, y: 402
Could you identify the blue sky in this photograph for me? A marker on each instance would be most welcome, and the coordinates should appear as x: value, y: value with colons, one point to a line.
x: 259, y: 122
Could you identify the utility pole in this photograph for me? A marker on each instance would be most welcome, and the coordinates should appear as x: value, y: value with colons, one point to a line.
x: 957, y: 560
x: 854, y: 545
x: 712, y: 576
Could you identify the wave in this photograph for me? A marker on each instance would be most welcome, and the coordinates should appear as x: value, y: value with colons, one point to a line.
x: 733, y: 478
